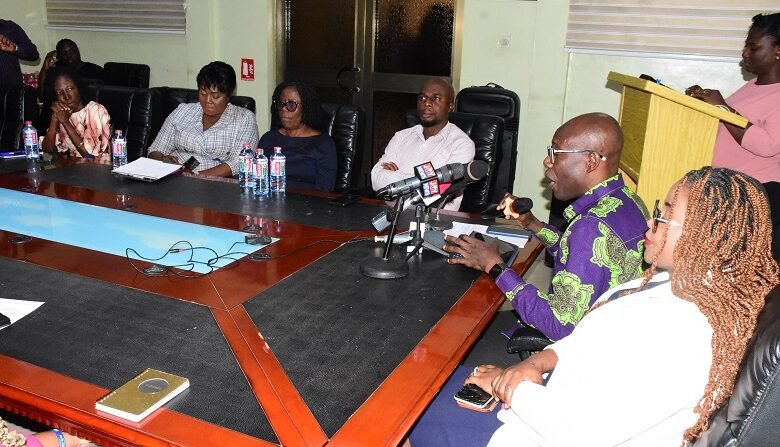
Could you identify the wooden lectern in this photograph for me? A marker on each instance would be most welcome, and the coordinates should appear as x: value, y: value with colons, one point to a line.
x: 666, y: 134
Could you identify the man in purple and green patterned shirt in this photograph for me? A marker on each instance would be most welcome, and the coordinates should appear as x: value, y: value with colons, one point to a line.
x: 603, y: 244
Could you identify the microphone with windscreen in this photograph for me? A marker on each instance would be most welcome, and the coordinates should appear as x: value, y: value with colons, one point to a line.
x: 521, y: 205
x: 445, y: 174
x: 474, y: 171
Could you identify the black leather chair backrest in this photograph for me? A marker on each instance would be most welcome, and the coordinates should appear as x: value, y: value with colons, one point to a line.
x: 132, y: 110
x: 125, y: 74
x: 18, y: 103
x: 172, y: 97
x: 345, y: 124
x: 749, y: 416
x: 487, y: 132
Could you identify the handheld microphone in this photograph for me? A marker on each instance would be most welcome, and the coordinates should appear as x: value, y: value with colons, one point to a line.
x: 522, y: 205
x: 445, y: 174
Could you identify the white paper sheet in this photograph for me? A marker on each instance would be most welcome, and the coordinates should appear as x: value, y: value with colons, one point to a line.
x: 459, y: 228
x: 17, y: 309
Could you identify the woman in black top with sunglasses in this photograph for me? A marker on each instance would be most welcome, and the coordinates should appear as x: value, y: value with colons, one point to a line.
x: 311, y: 154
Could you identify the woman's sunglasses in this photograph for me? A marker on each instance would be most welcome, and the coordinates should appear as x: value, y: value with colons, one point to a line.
x: 290, y: 105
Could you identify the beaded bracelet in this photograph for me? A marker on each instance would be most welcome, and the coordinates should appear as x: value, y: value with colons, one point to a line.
x: 60, y: 437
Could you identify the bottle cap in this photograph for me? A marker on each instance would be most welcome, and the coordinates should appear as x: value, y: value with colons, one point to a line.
x: 277, y: 148
x: 118, y: 132
x: 28, y: 123
x: 246, y: 145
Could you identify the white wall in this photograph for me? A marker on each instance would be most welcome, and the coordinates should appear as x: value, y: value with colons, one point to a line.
x: 553, y: 84
x: 216, y: 30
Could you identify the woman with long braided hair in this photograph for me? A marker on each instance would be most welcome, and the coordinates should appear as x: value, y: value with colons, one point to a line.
x: 655, y: 357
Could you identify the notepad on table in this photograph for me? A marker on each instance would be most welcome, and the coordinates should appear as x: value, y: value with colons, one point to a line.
x: 147, y: 169
x: 142, y: 395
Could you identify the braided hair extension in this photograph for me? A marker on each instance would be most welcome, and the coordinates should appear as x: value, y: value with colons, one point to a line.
x: 723, y: 264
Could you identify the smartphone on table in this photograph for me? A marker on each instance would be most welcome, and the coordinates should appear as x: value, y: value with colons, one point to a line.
x: 473, y: 397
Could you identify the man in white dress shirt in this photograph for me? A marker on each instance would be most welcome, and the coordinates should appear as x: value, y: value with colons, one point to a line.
x: 434, y: 140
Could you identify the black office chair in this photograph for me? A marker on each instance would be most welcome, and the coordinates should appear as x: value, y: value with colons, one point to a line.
x: 487, y: 132
x: 749, y: 416
x: 125, y: 74
x: 132, y: 110
x: 18, y: 103
x: 345, y: 124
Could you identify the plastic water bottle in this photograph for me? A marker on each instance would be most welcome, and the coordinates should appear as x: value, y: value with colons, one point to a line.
x: 278, y: 171
x: 118, y: 149
x: 260, y: 173
x: 245, y: 168
x: 30, y: 138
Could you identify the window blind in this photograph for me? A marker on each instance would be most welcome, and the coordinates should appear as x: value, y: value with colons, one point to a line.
x: 688, y: 27
x: 118, y: 15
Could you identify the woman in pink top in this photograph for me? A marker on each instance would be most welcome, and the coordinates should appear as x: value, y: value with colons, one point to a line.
x: 76, y: 129
x: 754, y: 150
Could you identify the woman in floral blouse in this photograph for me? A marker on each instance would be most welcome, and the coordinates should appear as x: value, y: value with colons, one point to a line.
x: 76, y: 129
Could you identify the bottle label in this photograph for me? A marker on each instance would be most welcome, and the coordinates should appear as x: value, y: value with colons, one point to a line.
x: 30, y: 137
x: 261, y: 168
x: 277, y: 167
x: 118, y: 148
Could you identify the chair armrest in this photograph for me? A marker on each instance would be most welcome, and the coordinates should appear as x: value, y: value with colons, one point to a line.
x: 526, y: 339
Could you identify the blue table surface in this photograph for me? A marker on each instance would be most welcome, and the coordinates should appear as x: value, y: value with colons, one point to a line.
x: 122, y: 233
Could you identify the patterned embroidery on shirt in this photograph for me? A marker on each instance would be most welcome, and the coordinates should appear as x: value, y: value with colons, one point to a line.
x: 608, y: 251
x: 568, y: 213
x: 512, y: 294
x: 547, y: 236
x: 565, y: 241
x: 637, y: 200
x: 605, y: 206
x: 570, y: 298
x: 604, y: 183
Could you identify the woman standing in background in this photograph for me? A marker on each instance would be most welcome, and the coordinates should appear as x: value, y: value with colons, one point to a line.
x: 755, y: 149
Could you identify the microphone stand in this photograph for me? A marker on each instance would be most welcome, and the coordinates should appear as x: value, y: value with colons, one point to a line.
x: 417, y: 239
x: 436, y: 223
x: 384, y: 267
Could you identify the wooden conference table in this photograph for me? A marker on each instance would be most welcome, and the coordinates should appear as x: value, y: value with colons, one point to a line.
x: 299, y: 350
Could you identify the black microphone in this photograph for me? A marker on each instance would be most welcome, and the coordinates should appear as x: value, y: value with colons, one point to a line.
x: 475, y: 171
x: 445, y: 174
x: 522, y: 205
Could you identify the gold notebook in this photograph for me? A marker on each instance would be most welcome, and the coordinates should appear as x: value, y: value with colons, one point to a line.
x: 143, y: 394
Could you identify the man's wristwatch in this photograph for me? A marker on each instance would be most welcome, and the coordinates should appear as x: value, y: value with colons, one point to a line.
x: 497, y: 270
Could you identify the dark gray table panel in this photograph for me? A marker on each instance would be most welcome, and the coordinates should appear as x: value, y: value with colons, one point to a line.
x: 105, y: 334
x: 221, y: 196
x: 338, y: 334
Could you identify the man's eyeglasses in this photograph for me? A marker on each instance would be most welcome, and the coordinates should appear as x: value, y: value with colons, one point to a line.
x: 290, y: 105
x: 551, y: 151
x: 657, y: 218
